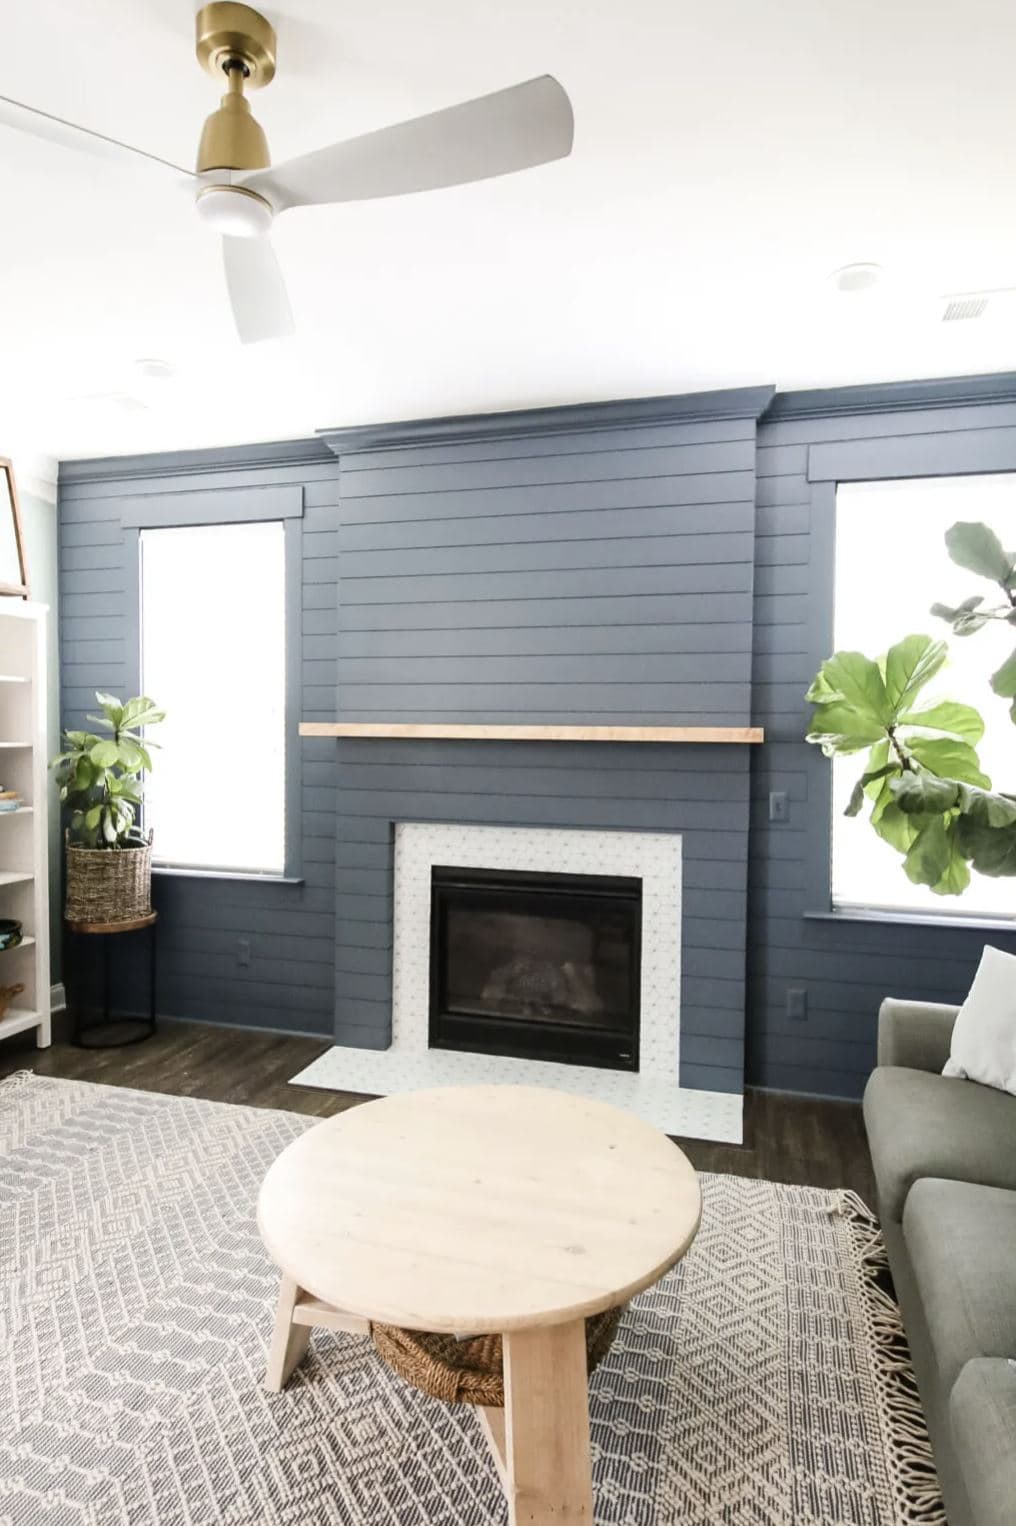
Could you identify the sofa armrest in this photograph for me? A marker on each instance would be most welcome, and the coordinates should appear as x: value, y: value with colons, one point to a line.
x: 916, y: 1034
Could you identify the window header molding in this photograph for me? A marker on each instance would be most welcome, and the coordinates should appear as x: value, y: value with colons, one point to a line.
x: 217, y: 506
x: 953, y: 453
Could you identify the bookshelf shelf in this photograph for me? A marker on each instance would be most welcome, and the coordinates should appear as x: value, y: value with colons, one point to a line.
x: 24, y: 880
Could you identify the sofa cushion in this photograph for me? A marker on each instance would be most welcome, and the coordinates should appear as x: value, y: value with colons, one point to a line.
x: 920, y: 1124
x: 982, y: 1411
x: 961, y: 1240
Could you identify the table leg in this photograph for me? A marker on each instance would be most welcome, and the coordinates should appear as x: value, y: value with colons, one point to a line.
x: 152, y: 977
x: 289, y: 1340
x: 547, y: 1458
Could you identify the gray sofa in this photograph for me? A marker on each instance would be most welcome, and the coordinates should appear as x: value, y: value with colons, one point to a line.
x: 944, y: 1153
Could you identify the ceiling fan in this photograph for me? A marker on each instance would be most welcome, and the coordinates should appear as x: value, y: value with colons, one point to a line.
x: 240, y: 193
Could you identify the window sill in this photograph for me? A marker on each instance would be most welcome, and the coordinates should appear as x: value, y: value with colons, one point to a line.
x: 227, y: 874
x: 914, y: 919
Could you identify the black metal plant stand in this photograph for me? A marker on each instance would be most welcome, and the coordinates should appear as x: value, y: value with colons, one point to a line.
x: 113, y: 1032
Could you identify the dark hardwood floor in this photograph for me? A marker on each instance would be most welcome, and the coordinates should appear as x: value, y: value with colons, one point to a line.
x: 787, y: 1139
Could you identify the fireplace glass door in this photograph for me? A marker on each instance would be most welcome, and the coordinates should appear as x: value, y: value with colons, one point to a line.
x: 538, y: 966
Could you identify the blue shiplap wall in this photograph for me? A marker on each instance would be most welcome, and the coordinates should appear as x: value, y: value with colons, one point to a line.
x: 289, y: 983
x: 845, y: 967
x: 642, y: 570
x: 587, y: 575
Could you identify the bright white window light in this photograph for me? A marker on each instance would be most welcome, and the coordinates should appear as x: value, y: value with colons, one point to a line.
x: 213, y: 652
x: 891, y: 566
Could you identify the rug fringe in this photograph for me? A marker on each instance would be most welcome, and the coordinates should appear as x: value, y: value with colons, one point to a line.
x: 916, y: 1485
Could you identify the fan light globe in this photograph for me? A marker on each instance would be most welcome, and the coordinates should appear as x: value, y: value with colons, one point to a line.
x: 233, y: 210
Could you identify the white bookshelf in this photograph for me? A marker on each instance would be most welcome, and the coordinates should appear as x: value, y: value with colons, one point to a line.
x: 24, y: 868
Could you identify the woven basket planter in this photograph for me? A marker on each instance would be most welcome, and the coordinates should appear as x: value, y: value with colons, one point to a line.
x: 108, y: 884
x: 469, y: 1371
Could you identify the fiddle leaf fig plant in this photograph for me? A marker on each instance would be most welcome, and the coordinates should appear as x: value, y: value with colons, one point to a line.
x: 979, y: 549
x: 100, y: 776
x: 929, y: 797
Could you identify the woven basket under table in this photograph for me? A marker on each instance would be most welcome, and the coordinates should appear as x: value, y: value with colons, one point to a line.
x: 469, y: 1371
x: 108, y: 884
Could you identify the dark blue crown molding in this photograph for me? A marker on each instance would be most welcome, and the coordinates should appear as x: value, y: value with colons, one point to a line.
x: 624, y: 413
x: 760, y: 403
x: 893, y: 397
x: 182, y: 463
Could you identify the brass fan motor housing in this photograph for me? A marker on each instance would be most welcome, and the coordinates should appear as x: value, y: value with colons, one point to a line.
x: 228, y: 33
x: 237, y: 43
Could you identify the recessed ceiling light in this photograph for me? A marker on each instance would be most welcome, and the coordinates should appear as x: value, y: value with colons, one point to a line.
x: 152, y: 369
x: 854, y: 278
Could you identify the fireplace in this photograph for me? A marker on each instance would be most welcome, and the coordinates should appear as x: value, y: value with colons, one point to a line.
x: 536, y: 965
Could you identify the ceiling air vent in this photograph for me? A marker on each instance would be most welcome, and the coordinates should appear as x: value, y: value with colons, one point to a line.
x: 960, y: 309
x: 957, y: 309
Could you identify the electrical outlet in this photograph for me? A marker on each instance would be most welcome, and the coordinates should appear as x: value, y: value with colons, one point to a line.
x: 779, y: 805
x: 243, y: 952
x: 797, y: 1004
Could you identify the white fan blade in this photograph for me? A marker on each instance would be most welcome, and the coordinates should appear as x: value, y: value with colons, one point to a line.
x: 257, y: 291
x: 42, y: 124
x: 510, y: 130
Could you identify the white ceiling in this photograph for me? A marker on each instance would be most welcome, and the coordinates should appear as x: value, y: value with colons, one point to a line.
x: 728, y: 156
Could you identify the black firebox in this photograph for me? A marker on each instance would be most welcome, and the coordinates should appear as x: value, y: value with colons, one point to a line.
x: 538, y: 966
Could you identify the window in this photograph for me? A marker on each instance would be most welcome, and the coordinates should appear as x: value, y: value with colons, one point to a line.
x: 213, y: 651
x: 891, y: 566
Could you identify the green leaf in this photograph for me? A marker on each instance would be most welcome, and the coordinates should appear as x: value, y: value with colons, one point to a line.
x: 839, y: 729
x: 111, y: 708
x: 992, y: 850
x: 132, y: 755
x: 893, y: 825
x: 930, y: 854
x: 1004, y: 680
x: 863, y: 784
x: 969, y: 625
x: 909, y: 665
x: 986, y: 806
x: 950, y: 613
x: 957, y: 875
x: 950, y: 758
x: 104, y: 754
x: 921, y: 793
x: 979, y: 549
x: 959, y: 720
x: 857, y: 682
x: 93, y: 816
x: 141, y: 711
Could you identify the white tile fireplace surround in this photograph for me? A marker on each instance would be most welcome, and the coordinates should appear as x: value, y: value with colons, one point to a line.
x: 653, y: 1092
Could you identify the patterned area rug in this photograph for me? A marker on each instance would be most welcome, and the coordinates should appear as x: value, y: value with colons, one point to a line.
x: 763, y: 1381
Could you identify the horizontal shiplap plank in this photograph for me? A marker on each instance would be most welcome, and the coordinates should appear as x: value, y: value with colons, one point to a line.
x: 566, y: 443
x: 723, y: 457
x: 462, y: 613
x: 555, y: 669
x: 684, y: 640
x: 553, y: 498
x: 558, y: 556
x: 579, y: 583
x: 535, y: 528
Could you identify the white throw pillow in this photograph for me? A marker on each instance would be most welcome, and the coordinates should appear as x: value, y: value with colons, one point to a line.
x: 984, y: 1037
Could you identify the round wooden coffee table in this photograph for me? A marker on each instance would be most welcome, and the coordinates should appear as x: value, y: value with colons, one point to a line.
x: 485, y: 1209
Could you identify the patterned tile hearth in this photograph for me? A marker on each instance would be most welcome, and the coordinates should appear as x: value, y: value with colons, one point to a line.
x: 652, y: 1092
x: 764, y: 1381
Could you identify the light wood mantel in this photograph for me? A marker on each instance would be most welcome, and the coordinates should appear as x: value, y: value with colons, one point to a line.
x: 414, y: 731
